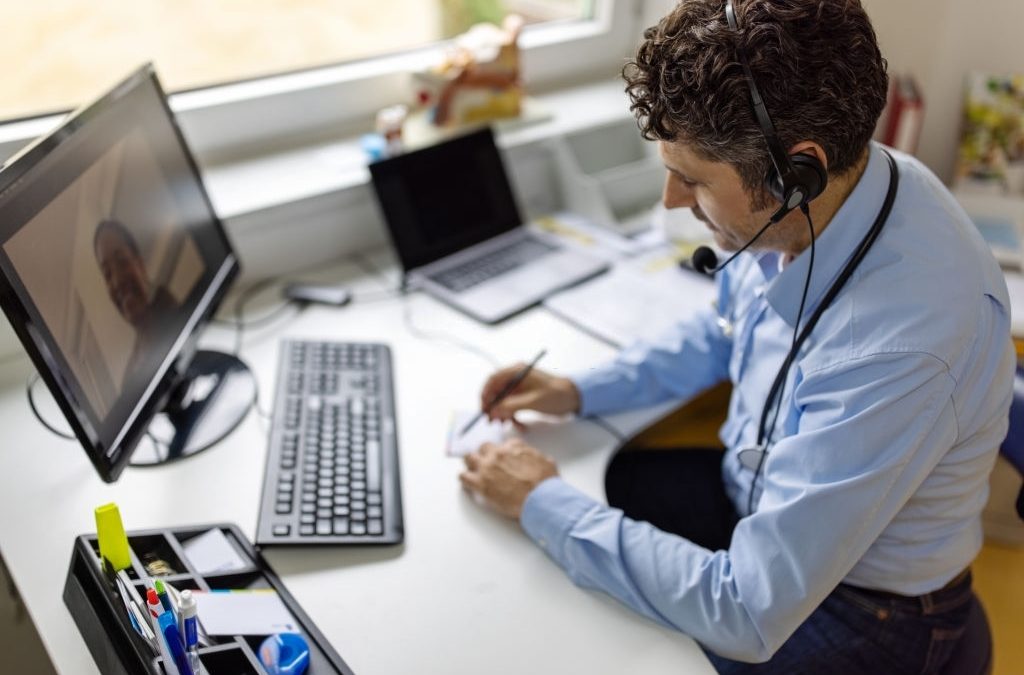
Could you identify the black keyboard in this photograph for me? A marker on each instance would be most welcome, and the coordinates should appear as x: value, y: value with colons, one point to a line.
x: 490, y: 265
x: 332, y: 465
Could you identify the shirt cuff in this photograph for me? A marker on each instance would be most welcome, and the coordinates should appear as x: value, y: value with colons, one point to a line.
x: 550, y: 511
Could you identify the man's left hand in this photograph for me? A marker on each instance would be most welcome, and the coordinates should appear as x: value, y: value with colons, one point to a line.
x: 504, y: 474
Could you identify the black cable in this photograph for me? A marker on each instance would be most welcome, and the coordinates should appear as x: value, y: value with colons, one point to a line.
x: 794, y: 346
x: 844, y: 276
x: 239, y: 309
x: 32, y: 379
x: 252, y: 323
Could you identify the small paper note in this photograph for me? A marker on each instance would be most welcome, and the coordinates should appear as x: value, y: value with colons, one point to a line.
x: 243, y: 612
x: 484, y: 431
x: 211, y: 553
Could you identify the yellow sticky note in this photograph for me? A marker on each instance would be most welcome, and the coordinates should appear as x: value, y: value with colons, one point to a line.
x: 113, y: 542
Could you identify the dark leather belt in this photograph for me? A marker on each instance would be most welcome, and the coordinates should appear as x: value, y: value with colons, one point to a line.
x: 953, y: 583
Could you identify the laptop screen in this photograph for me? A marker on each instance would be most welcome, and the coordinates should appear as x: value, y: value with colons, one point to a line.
x: 445, y: 198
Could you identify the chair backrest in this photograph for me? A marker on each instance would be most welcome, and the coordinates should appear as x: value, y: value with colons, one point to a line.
x: 1013, y: 447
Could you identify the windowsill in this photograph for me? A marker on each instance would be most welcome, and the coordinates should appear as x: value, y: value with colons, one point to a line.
x: 272, y: 181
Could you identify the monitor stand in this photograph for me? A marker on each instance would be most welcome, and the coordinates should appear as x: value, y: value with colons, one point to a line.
x: 212, y: 399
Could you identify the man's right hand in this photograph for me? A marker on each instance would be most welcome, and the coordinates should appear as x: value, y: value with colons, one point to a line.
x: 538, y: 391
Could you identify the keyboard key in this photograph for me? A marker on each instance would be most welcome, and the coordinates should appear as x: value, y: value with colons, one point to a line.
x: 282, y: 530
x: 375, y: 526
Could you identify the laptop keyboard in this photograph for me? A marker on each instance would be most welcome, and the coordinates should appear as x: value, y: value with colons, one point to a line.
x: 490, y: 265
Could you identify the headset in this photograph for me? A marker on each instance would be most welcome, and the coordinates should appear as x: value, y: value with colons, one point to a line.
x: 793, y: 180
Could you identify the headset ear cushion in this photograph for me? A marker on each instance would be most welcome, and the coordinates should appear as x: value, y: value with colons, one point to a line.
x: 810, y: 174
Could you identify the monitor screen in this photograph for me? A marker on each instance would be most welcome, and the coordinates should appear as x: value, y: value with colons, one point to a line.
x: 445, y: 198
x: 111, y: 258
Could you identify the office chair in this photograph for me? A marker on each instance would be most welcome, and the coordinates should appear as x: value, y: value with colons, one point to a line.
x: 973, y: 652
x: 1013, y: 447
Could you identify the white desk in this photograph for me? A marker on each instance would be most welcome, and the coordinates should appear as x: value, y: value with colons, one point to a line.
x: 467, y: 592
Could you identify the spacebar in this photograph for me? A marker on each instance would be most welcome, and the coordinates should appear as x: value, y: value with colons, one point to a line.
x: 373, y: 466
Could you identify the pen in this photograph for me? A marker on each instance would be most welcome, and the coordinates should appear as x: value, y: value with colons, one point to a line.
x: 505, y: 391
x: 188, y: 610
x: 161, y: 620
x: 172, y: 637
x: 165, y: 600
x: 153, y: 602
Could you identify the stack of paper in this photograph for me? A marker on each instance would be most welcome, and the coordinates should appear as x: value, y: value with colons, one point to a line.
x: 638, y: 299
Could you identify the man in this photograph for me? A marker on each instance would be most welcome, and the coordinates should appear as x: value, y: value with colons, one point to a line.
x: 841, y: 543
x: 143, y: 304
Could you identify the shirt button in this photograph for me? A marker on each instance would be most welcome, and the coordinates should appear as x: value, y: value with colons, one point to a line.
x: 759, y: 291
x: 543, y: 543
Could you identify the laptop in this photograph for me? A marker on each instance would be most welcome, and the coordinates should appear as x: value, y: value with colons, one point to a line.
x: 455, y: 226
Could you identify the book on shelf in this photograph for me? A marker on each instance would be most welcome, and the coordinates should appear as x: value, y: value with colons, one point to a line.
x: 900, y: 124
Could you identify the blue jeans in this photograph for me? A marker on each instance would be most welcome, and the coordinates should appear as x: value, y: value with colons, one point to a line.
x: 859, y: 631
x: 853, y: 631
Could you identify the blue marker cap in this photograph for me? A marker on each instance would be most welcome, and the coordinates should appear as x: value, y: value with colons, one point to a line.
x: 285, y: 654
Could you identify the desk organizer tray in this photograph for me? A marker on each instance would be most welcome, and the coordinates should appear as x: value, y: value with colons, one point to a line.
x: 91, y: 596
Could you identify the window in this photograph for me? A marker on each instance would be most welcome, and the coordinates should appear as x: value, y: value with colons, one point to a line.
x: 78, y: 48
x: 251, y: 117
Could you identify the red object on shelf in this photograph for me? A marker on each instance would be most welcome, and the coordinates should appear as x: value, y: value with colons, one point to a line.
x: 903, y: 117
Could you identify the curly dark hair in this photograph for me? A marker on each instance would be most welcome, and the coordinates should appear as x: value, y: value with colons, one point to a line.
x: 816, y: 64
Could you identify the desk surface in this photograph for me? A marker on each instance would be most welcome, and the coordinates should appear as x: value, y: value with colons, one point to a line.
x: 467, y: 592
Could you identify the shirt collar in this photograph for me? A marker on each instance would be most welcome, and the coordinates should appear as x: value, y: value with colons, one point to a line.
x: 833, y: 248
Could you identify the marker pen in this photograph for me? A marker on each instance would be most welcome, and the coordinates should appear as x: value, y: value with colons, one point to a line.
x: 165, y: 598
x: 156, y: 614
x: 189, y: 609
x: 172, y: 638
x: 153, y: 602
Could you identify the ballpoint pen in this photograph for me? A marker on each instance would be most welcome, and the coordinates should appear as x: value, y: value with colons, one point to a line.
x: 505, y: 391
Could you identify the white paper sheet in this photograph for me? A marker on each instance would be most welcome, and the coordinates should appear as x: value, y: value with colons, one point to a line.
x: 482, y: 432
x: 244, y: 612
x: 212, y: 553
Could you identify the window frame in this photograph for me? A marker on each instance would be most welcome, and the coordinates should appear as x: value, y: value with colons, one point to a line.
x: 250, y: 118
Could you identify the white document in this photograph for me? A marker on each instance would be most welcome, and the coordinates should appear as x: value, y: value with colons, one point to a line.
x: 638, y: 299
x: 244, y: 612
x: 484, y: 431
x: 212, y: 553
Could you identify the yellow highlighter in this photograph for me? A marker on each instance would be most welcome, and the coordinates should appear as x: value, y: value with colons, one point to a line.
x: 113, y: 542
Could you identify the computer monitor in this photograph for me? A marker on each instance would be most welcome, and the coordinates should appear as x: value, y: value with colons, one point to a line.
x: 111, y: 261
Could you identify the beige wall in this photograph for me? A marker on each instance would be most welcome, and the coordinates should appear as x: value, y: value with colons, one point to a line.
x: 939, y: 41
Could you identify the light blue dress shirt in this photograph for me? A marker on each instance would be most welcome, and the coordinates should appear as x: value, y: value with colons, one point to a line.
x: 891, y: 420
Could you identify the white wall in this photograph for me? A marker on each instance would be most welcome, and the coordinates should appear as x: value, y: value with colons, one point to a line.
x: 939, y: 41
